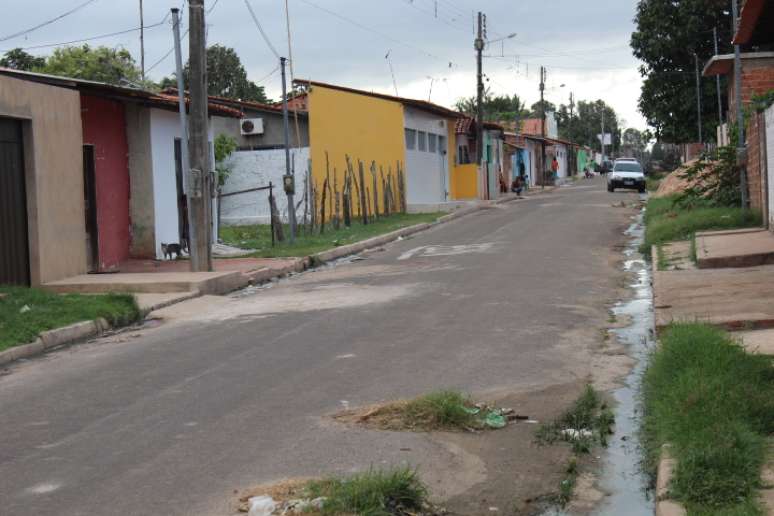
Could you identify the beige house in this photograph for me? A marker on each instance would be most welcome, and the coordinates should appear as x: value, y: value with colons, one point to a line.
x: 42, y: 229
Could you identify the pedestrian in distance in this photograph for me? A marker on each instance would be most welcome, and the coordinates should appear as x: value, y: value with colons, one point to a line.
x: 555, y: 168
x: 517, y: 186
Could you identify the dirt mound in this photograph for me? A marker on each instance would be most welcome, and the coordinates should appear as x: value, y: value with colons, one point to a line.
x: 674, y: 183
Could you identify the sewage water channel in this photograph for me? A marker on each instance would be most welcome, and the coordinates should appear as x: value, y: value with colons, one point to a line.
x: 622, y: 475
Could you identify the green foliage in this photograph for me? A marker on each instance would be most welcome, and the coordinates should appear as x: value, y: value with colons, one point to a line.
x: 258, y: 237
x: 225, y: 146
x: 586, y: 123
x: 667, y: 36
x: 589, y: 413
x: 102, y: 64
x: 18, y: 59
x: 226, y: 76
x: 715, y: 404
x: 48, y: 311
x: 762, y: 101
x: 537, y: 108
x: 499, y: 108
x: 373, y: 493
x: 441, y: 410
x: 666, y: 220
x: 715, y: 183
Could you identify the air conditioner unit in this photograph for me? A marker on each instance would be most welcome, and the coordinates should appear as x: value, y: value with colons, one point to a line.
x: 250, y: 126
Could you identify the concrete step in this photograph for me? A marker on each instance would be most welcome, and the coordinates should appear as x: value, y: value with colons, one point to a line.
x: 153, y: 282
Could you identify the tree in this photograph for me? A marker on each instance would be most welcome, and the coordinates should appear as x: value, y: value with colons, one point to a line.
x: 548, y: 107
x: 18, y: 59
x: 226, y: 77
x: 667, y: 36
x: 100, y: 64
x: 586, y: 123
x: 501, y: 108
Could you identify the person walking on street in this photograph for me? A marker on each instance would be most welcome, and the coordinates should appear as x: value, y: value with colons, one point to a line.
x: 555, y: 168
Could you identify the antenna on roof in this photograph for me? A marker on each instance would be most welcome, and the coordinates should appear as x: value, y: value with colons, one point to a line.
x: 392, y: 72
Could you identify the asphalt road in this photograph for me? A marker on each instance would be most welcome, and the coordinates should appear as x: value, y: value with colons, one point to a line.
x: 231, y: 392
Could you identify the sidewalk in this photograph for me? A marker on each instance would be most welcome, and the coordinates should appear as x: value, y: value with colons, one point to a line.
x: 735, y: 248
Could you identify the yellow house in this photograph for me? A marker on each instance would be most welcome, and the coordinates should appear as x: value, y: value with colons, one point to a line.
x: 403, y: 144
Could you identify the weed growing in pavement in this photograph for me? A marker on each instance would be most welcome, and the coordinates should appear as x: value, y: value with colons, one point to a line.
x: 663, y: 262
x: 567, y: 485
x: 375, y: 492
x: 694, y: 256
x: 448, y: 410
x: 587, y: 423
x: 441, y: 409
x: 715, y: 404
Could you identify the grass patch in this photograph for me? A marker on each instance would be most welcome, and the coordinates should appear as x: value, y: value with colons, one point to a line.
x: 653, y: 180
x: 666, y: 221
x: 715, y: 404
x: 48, y: 311
x: 663, y: 262
x: 258, y: 236
x: 373, y: 493
x: 447, y: 410
x: 694, y: 256
x: 567, y: 485
x: 587, y: 423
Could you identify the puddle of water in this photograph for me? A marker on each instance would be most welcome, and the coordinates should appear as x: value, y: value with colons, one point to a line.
x: 622, y: 474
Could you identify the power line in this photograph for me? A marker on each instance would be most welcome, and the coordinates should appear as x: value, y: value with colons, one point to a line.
x: 48, y: 22
x: 154, y: 65
x: 91, y: 38
x: 266, y: 77
x: 260, y: 29
x: 379, y: 33
x: 435, y: 16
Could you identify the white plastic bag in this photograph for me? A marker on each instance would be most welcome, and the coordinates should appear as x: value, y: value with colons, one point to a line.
x: 261, y: 506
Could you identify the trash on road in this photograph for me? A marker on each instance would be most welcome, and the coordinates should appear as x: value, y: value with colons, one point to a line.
x: 261, y: 506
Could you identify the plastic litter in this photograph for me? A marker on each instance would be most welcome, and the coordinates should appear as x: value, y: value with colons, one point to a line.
x: 494, y: 419
x: 473, y: 411
x: 261, y: 506
x: 25, y: 309
x: 573, y: 433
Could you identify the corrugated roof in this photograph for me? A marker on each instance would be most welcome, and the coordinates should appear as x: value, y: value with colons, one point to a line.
x: 123, y: 93
x: 418, y: 104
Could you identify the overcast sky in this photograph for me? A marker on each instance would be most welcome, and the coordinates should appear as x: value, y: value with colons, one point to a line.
x: 584, y: 45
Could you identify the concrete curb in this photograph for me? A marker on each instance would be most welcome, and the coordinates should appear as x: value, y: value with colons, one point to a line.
x: 666, y: 468
x: 56, y: 337
x: 158, y: 306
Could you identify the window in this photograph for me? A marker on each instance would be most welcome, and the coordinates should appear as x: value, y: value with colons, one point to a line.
x: 422, y: 141
x: 441, y: 144
x: 463, y: 156
x: 411, y: 139
x: 432, y: 143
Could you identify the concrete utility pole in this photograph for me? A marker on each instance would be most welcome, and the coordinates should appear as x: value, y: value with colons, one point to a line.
x: 288, y: 180
x: 200, y: 181
x: 543, y: 126
x: 142, y: 43
x: 740, y: 145
x: 183, y: 122
x: 602, y: 136
x: 698, y: 95
x: 717, y: 80
x: 479, y: 46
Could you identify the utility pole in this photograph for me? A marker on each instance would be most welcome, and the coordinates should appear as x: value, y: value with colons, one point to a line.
x: 479, y: 46
x: 602, y: 136
x: 741, y: 158
x: 142, y: 43
x: 543, y: 126
x: 698, y: 95
x: 717, y: 80
x: 288, y: 180
x: 200, y: 182
x: 183, y: 128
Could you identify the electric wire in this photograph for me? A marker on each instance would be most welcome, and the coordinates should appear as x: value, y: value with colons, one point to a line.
x: 91, y: 38
x: 48, y: 22
x: 260, y: 29
x: 374, y: 31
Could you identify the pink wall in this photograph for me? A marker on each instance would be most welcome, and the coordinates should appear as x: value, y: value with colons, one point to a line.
x: 104, y: 126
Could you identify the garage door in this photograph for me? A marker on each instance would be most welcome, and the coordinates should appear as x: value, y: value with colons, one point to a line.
x: 14, y: 250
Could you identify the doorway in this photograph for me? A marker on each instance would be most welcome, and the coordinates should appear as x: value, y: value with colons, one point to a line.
x: 14, y: 239
x: 90, y: 205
